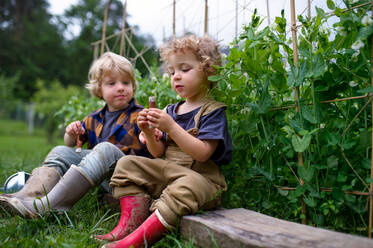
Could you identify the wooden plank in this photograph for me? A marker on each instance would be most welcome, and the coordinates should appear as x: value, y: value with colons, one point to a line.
x: 244, y: 228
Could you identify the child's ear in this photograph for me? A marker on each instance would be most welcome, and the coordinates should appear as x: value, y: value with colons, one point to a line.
x: 99, y: 93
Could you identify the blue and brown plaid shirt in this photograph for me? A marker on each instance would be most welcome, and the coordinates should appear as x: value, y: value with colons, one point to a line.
x: 126, y: 132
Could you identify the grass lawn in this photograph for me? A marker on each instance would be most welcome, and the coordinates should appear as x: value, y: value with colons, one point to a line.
x: 21, y: 151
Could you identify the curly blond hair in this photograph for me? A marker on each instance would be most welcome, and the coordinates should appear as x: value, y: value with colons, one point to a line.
x: 107, y: 63
x: 205, y: 49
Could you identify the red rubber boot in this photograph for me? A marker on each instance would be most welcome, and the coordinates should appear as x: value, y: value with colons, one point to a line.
x: 134, y: 211
x: 147, y: 234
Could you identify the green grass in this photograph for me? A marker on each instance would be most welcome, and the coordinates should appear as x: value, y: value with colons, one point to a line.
x: 21, y: 151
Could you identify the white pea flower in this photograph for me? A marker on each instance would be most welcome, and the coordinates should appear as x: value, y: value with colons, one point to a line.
x: 322, y: 125
x: 352, y: 83
x: 165, y: 76
x: 245, y: 110
x: 323, y: 30
x: 357, y: 45
x: 333, y: 61
x: 366, y: 20
x: 270, y: 60
x: 355, y: 54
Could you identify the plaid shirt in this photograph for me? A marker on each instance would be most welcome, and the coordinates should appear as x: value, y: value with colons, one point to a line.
x: 126, y: 132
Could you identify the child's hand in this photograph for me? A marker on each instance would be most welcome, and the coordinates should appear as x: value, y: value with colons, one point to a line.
x: 142, y: 121
x: 74, y: 129
x: 157, y: 133
x: 160, y: 119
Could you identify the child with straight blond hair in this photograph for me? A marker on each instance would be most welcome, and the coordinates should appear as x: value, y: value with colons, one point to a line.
x: 185, y: 174
x: 110, y: 133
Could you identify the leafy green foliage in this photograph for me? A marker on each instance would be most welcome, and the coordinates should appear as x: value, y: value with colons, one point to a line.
x: 49, y: 99
x: 259, y: 83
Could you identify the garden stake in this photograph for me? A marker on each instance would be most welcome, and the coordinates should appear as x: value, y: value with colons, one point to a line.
x: 296, y: 95
x: 371, y: 158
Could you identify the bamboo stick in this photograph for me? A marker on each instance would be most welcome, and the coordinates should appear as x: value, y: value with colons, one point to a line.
x: 104, y: 27
x: 349, y: 192
x: 141, y: 57
x: 110, y: 37
x: 121, y: 50
x: 309, y: 9
x: 206, y: 18
x: 236, y: 20
x: 268, y: 14
x: 371, y: 158
x: 296, y: 89
x: 326, y: 101
x: 173, y: 20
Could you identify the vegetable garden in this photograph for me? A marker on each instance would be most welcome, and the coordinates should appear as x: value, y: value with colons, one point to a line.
x: 300, y: 116
x: 300, y: 112
x: 301, y: 119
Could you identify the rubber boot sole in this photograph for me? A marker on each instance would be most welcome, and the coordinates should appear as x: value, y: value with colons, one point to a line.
x: 15, y: 206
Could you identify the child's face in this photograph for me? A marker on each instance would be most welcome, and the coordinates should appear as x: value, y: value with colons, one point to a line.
x: 187, y: 77
x: 117, y: 90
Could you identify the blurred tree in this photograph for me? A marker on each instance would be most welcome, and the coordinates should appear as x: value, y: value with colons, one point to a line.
x: 31, y: 44
x: 34, y: 46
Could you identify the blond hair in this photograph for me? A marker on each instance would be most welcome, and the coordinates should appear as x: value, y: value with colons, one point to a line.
x: 205, y: 49
x: 108, y: 62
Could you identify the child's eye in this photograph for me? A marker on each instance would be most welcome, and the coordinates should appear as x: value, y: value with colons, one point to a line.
x: 111, y: 83
x: 126, y: 83
x: 185, y: 69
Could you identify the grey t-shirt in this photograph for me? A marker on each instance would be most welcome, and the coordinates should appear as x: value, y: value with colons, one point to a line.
x: 213, y: 126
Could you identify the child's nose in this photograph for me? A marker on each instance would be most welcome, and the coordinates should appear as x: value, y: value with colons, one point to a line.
x: 120, y: 86
x: 177, y: 75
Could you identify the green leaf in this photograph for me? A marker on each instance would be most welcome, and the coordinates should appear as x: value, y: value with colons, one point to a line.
x: 365, y: 32
x: 341, y: 178
x: 308, y: 115
x: 319, y: 66
x: 332, y: 161
x: 215, y: 78
x: 333, y: 138
x: 366, y: 90
x: 348, y: 144
x: 330, y: 4
x: 365, y: 163
x: 296, y: 75
x: 301, y: 144
x: 310, y: 201
x: 369, y: 180
x: 306, y: 173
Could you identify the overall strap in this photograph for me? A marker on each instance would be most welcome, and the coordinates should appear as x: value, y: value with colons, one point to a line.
x: 207, y: 108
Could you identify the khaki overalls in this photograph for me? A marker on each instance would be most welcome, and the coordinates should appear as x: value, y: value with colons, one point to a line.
x: 179, y: 184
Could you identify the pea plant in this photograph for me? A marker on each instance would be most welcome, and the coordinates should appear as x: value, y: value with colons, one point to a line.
x: 261, y: 85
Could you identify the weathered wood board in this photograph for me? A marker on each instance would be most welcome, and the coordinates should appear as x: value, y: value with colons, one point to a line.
x: 244, y: 228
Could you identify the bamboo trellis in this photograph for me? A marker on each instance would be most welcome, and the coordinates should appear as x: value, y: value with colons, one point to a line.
x: 294, y: 28
x: 296, y: 106
x: 122, y: 34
